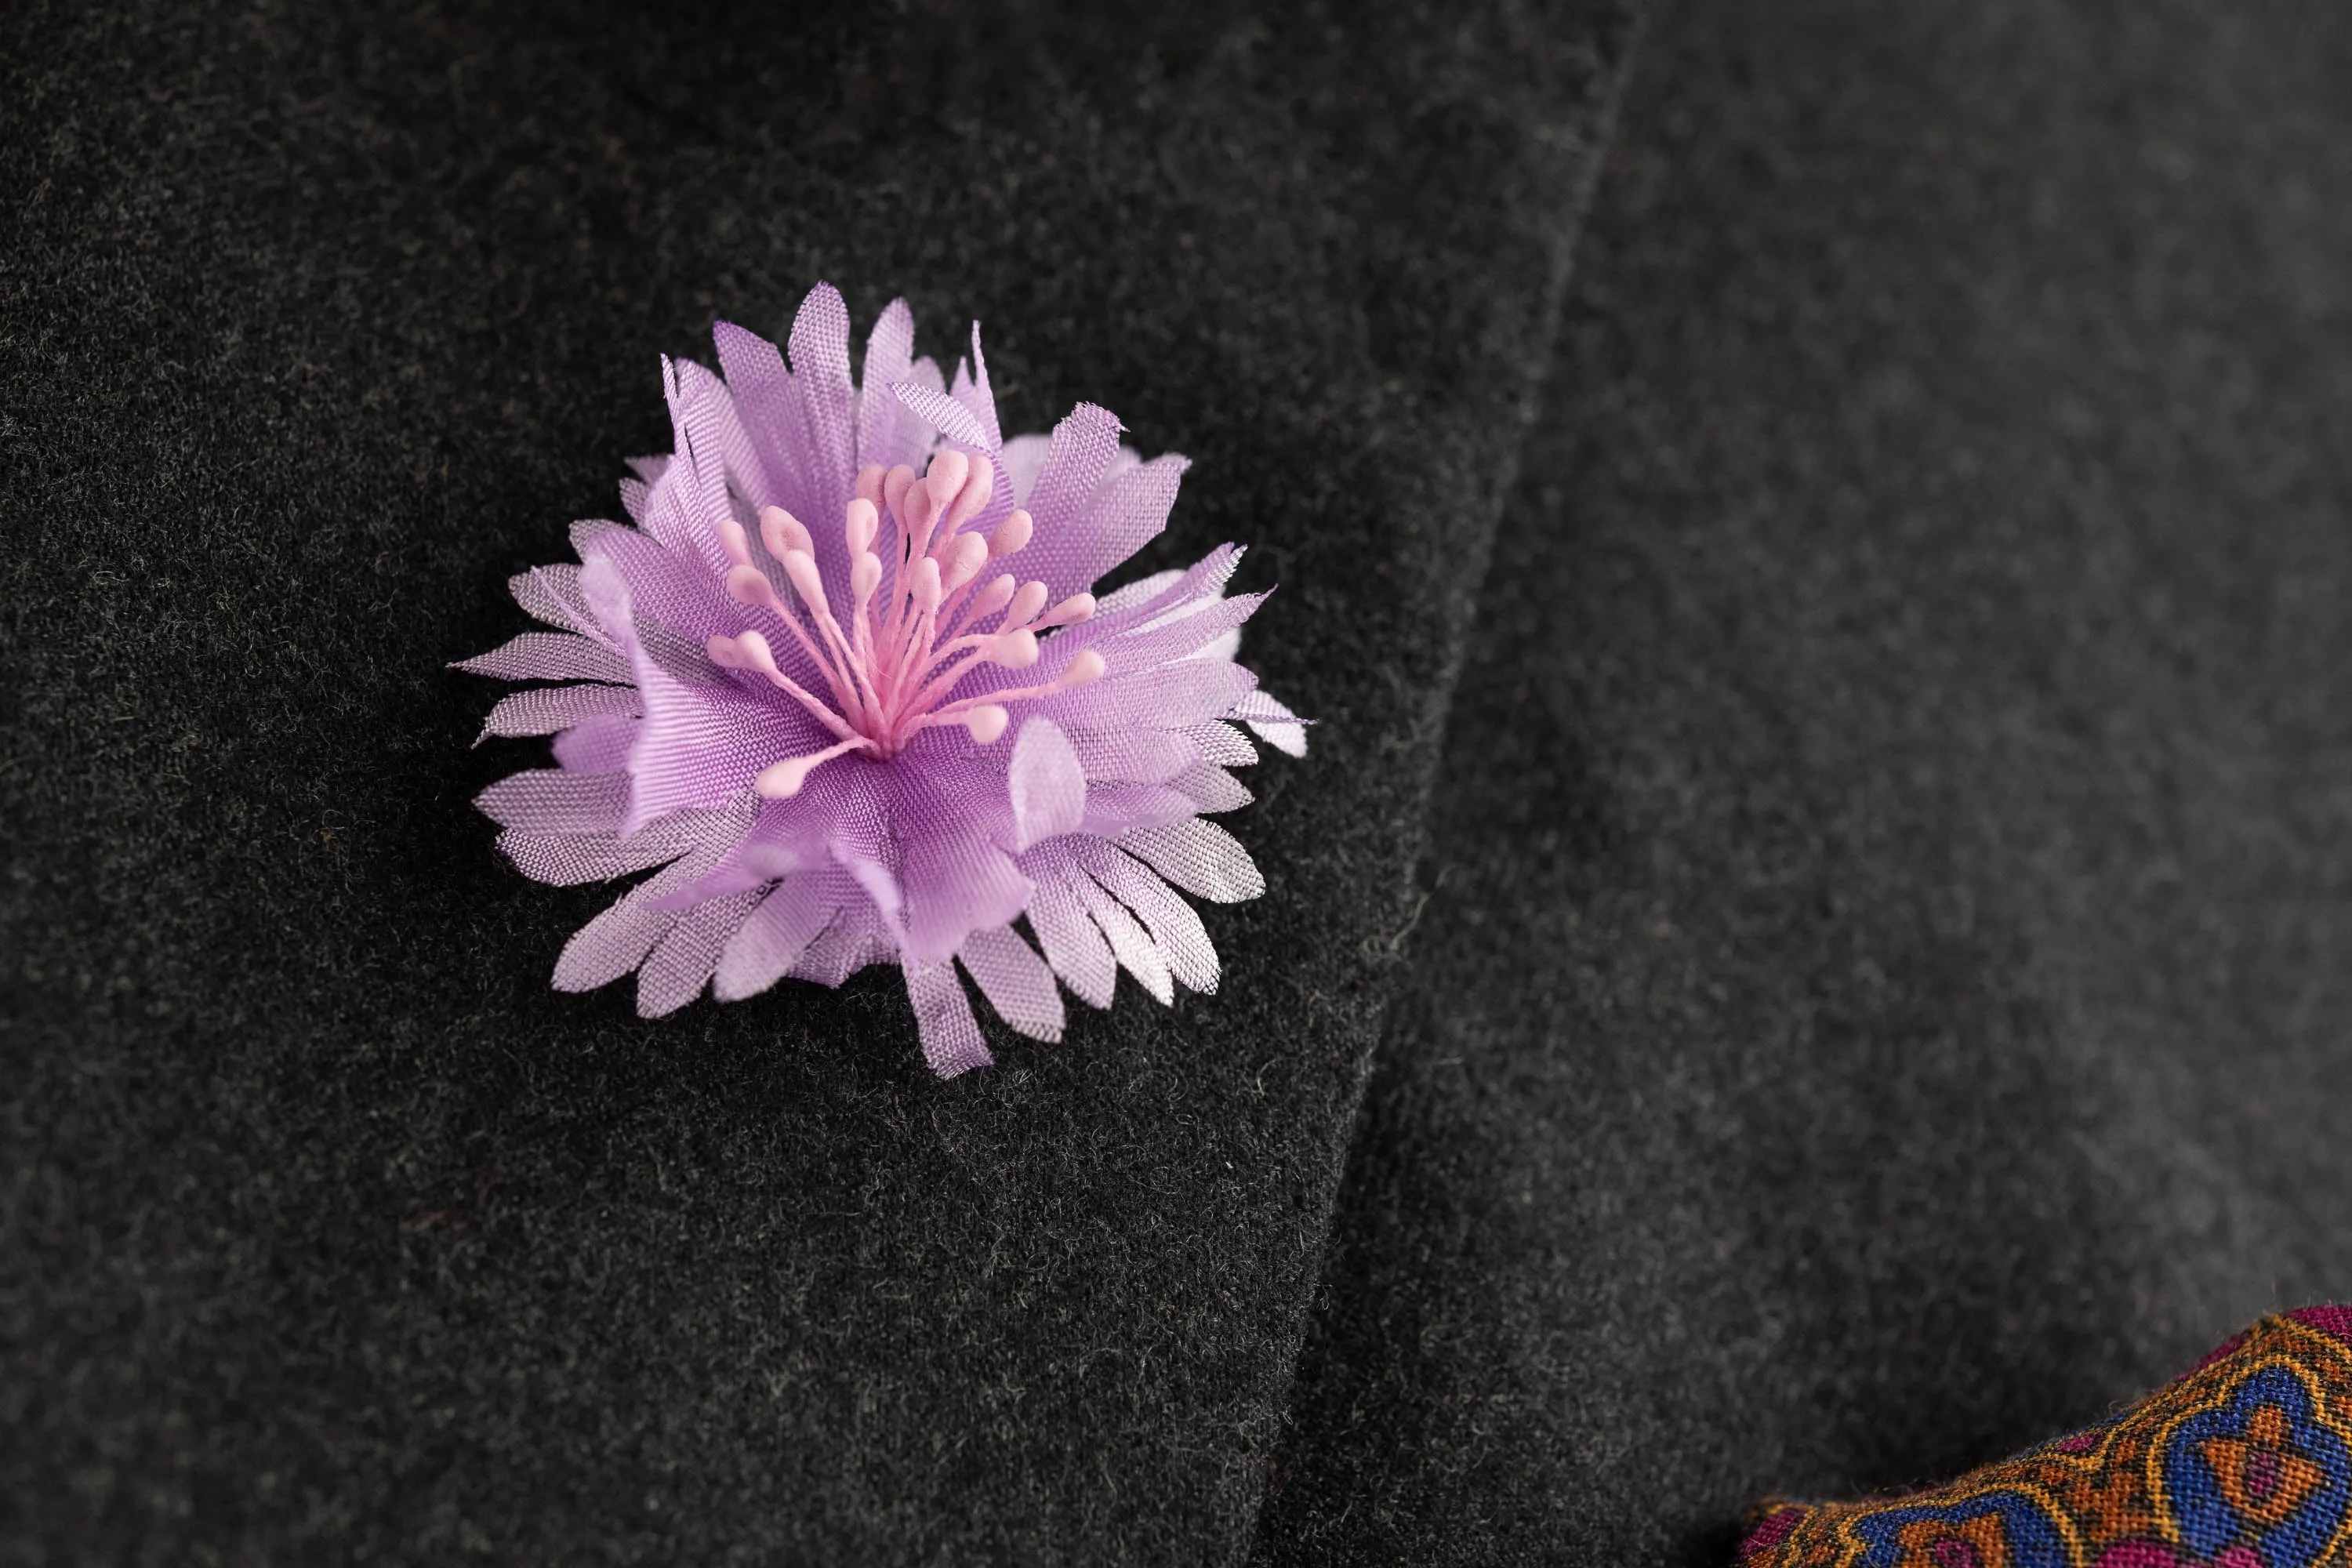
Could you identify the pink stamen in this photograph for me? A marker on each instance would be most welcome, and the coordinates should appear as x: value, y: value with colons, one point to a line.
x: 782, y: 781
x: 781, y: 532
x: 1012, y: 534
x: 894, y: 487
x: 1069, y: 611
x: 914, y: 630
x: 1026, y: 603
x: 751, y: 651
x: 738, y: 544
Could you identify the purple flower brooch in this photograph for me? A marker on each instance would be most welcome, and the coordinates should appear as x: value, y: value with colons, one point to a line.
x: 847, y: 685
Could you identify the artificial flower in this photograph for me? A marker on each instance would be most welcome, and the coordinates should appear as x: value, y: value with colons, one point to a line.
x: 846, y: 689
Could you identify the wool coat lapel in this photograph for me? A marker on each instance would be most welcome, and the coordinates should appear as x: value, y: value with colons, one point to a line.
x: 344, y: 1235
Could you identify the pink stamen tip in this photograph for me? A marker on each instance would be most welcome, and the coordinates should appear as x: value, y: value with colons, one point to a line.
x: 1012, y: 534
x: 1025, y: 604
x: 800, y: 567
x: 859, y: 527
x: 782, y: 781
x: 1070, y: 612
x: 993, y: 598
x: 738, y: 544
x: 918, y: 508
x: 909, y: 628
x: 949, y: 470
x: 978, y: 487
x: 747, y: 585
x: 781, y: 532
x: 965, y: 556
x: 752, y: 652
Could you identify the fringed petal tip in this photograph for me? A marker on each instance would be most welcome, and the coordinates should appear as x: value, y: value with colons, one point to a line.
x: 844, y: 684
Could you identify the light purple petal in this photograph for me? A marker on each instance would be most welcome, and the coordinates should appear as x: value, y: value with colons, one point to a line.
x: 1175, y: 930
x: 768, y: 407
x: 1211, y: 790
x: 1289, y: 738
x: 587, y: 527
x: 698, y: 744
x: 552, y: 594
x: 636, y: 497
x: 1185, y: 633
x: 551, y: 800
x: 1015, y: 981
x: 663, y: 585
x: 855, y: 938
x: 1168, y: 697
x: 1199, y: 857
x: 1275, y: 724
x: 950, y: 1035
x: 544, y: 710
x: 1079, y: 454
x: 819, y: 355
x: 773, y: 937
x: 617, y: 941
x: 681, y: 965
x: 1133, y: 946
x: 1073, y: 945
x: 1115, y: 809
x: 1257, y: 705
x: 1142, y: 591
x: 599, y: 746
x: 611, y: 945
x: 550, y: 656
x: 566, y: 859
x: 1023, y: 457
x: 944, y: 414
x: 953, y: 887
x: 1222, y: 744
x: 1135, y: 756
x: 1202, y: 582
x: 971, y: 390
x: 886, y: 434
x: 1228, y: 646
x: 1128, y: 514
x: 712, y: 450
x: 1046, y: 782
x: 701, y: 745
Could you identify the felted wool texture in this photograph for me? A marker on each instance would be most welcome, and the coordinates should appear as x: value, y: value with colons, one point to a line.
x: 331, y: 1233
x: 1882, y: 995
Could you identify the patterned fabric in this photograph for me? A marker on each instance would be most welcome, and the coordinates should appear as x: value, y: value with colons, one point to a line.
x: 2245, y: 1462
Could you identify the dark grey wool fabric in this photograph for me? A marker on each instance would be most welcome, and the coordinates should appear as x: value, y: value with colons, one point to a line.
x: 330, y: 1233
x: 1883, y: 992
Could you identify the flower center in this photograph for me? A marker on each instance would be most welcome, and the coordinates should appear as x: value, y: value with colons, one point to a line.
x: 886, y: 675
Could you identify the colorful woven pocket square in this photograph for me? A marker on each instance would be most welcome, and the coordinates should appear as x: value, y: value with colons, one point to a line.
x: 2245, y: 1462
